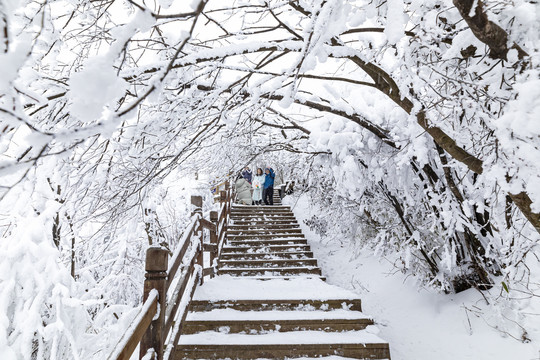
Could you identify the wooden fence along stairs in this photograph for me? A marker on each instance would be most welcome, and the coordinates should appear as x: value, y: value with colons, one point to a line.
x: 268, y: 300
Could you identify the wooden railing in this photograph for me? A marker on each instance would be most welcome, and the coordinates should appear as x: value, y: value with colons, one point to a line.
x: 170, y: 283
x: 220, y: 185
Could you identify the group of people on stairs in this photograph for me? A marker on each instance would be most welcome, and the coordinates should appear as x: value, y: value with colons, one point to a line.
x: 256, y: 189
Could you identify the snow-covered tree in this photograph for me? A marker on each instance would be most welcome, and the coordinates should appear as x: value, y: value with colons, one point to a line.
x: 413, y: 122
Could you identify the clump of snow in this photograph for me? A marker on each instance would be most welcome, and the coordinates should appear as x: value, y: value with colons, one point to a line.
x: 11, y: 62
x: 94, y: 88
x: 34, y: 297
x: 518, y: 131
x: 395, y: 26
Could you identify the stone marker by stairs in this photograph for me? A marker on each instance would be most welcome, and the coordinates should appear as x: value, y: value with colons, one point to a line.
x: 269, y: 299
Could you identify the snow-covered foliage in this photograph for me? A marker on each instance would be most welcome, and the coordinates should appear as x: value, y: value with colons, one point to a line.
x: 414, y: 123
x: 398, y: 303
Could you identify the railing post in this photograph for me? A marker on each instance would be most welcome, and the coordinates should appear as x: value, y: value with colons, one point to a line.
x: 213, y: 239
x: 196, y: 201
x: 157, y: 262
x: 228, y: 202
x: 222, y: 196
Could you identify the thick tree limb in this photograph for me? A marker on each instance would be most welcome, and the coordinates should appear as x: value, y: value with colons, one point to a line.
x: 486, y: 30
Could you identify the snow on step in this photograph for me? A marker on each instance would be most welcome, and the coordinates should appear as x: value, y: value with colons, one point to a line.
x: 267, y: 249
x: 267, y: 256
x: 226, y: 287
x: 257, y: 238
x: 268, y: 263
x: 275, y: 315
x: 269, y: 259
x: 281, y: 277
x: 264, y: 217
x: 261, y: 206
x: 272, y: 269
x: 367, y: 336
x: 260, y: 241
x: 332, y: 357
x: 257, y: 231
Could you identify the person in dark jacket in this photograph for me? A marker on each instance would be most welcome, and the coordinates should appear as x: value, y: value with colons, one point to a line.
x: 268, y: 192
x: 246, y: 174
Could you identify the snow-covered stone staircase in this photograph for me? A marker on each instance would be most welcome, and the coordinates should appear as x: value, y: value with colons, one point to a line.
x: 266, y: 242
x: 293, y: 313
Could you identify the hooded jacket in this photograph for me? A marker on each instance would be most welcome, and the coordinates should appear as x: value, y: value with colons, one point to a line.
x: 269, y: 179
x: 243, y: 191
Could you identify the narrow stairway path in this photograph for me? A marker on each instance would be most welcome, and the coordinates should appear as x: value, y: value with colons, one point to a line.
x: 269, y: 299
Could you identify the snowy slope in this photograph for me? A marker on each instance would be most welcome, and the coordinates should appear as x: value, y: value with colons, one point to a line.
x: 420, y: 323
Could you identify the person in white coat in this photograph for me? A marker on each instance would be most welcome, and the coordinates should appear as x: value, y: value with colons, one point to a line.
x: 243, y: 191
x: 258, y: 184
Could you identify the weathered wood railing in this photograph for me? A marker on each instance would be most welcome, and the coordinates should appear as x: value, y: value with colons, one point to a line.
x: 170, y: 283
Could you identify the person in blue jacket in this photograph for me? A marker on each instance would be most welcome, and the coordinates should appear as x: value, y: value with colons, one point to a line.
x: 268, y: 192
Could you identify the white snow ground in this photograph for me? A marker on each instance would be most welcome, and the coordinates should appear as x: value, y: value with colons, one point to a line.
x: 290, y: 337
x: 419, y: 323
x: 225, y: 314
x: 225, y: 287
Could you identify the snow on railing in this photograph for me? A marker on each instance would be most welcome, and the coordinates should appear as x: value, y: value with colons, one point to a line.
x: 158, y: 326
x: 134, y: 333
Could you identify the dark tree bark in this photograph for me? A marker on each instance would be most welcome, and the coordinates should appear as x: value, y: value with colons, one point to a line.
x: 486, y: 30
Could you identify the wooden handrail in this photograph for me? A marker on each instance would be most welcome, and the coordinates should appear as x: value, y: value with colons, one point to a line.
x: 150, y: 328
x: 136, y: 329
x: 224, y: 217
x: 207, y: 224
x: 178, y: 256
x: 184, y: 304
x: 178, y: 291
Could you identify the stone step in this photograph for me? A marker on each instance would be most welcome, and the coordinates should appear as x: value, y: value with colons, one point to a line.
x: 267, y: 263
x: 266, y: 236
x: 264, y: 250
x: 264, y: 271
x: 269, y: 210
x: 266, y: 209
x: 262, y: 222
x: 275, y: 255
x: 331, y: 357
x: 281, y: 305
x: 262, y: 227
x: 250, y: 326
x: 280, y: 277
x: 275, y: 345
x: 256, y: 220
x: 260, y: 207
x: 279, y: 230
x: 263, y: 212
x: 247, y: 207
x: 267, y: 216
x: 262, y: 217
x: 257, y: 243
